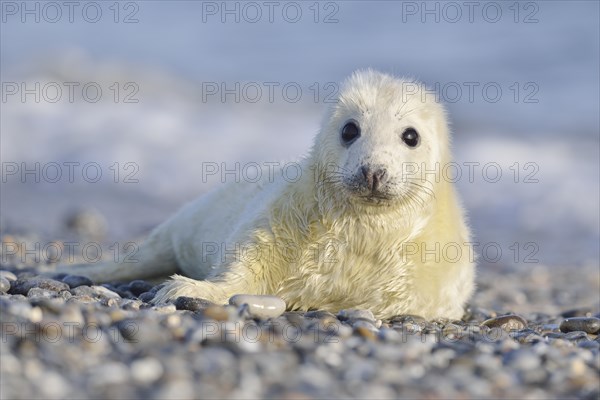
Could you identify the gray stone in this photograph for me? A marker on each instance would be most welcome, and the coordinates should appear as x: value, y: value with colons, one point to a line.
x: 131, y: 305
x: 576, y: 336
x: 23, y: 286
x: 146, y: 297
x: 138, y: 287
x: 578, y: 312
x: 75, y: 281
x: 83, y: 291
x: 523, y: 360
x: 413, y: 319
x: 346, y: 315
x: 104, y: 292
x: 526, y: 336
x: 509, y: 322
x: 319, y: 314
x: 26, y: 311
x: 589, y: 344
x: 588, y: 325
x: 191, y: 303
x: 37, y: 292
x: 554, y: 335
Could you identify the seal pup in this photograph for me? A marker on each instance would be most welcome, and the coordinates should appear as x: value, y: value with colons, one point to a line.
x: 362, y: 226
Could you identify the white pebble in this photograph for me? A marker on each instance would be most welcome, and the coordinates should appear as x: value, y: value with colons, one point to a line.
x: 146, y: 370
x: 260, y: 306
x: 111, y: 373
x: 9, y: 276
x: 165, y: 308
x: 53, y: 386
x: 105, y: 292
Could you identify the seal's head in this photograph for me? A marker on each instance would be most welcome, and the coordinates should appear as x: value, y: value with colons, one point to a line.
x: 381, y: 143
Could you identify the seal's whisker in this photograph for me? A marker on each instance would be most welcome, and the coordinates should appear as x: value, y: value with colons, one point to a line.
x: 409, y: 112
x: 422, y: 188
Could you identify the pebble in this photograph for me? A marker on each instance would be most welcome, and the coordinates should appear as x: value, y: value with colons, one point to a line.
x: 550, y: 328
x: 23, y: 286
x: 4, y: 285
x: 48, y: 305
x: 576, y: 336
x: 218, y: 313
x: 319, y: 314
x: 588, y: 325
x: 511, y: 322
x: 111, y: 373
x: 24, y: 311
x: 122, y: 290
x: 346, y: 315
x: 138, y: 287
x: 365, y: 332
x: 146, y: 370
x: 39, y: 292
x: 191, y: 303
x: 109, y: 302
x: 589, y: 344
x: 578, y: 312
x: 8, y: 275
x: 129, y: 304
x: 146, y: 297
x: 104, y: 292
x: 389, y: 335
x: 75, y: 281
x: 262, y: 307
x: 82, y: 299
x: 411, y: 325
x: 526, y: 336
x: 73, y: 314
x: 164, y: 308
x: 522, y: 360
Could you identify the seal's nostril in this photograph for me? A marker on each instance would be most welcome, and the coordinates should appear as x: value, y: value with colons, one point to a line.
x: 368, y: 176
x: 365, y: 171
x: 378, y: 176
x: 373, y: 180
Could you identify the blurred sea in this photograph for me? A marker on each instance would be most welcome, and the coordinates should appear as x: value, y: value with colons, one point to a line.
x: 522, y: 94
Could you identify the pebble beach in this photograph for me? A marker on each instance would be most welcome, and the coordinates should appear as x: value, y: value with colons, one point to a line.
x: 530, y: 332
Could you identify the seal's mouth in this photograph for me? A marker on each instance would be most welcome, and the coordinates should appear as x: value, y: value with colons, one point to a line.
x: 361, y: 193
x: 375, y: 198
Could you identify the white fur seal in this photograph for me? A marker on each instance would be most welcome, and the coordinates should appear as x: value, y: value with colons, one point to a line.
x: 358, y: 229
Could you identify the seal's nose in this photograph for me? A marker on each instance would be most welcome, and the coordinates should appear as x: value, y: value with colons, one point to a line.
x: 373, y: 179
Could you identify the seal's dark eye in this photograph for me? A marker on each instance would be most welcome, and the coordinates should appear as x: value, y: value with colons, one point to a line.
x: 350, y: 132
x: 411, y: 137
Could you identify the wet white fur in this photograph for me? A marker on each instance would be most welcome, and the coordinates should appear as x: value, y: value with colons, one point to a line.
x: 313, y: 242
